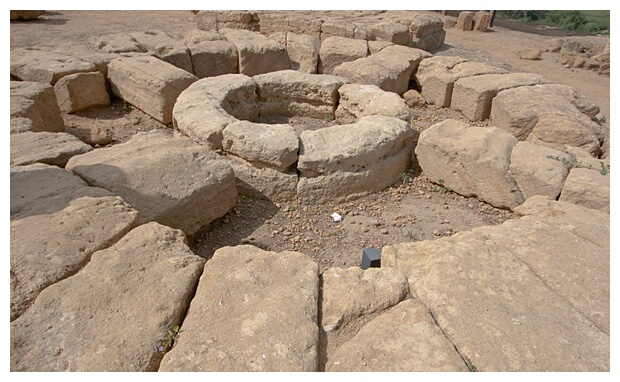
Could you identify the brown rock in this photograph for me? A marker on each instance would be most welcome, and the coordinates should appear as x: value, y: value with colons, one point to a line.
x: 353, y: 292
x: 45, y: 147
x: 531, y: 54
x: 115, y: 312
x: 588, y: 187
x: 80, y: 91
x: 385, y: 344
x: 38, y: 103
x: 465, y: 21
x: 253, y: 311
x: 482, y: 21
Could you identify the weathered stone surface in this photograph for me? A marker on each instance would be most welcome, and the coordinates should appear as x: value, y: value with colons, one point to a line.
x: 556, y: 44
x: 404, y: 339
x: 214, y: 58
x: 38, y: 103
x: 257, y: 54
x: 376, y: 46
x: 588, y: 188
x: 390, y: 69
x: 26, y: 15
x: 45, y: 67
x: 57, y: 222
x: 539, y: 170
x: 149, y: 84
x: 482, y: 21
x: 336, y: 50
x: 290, y: 93
x: 557, y: 131
x: 235, y: 93
x: 166, y: 48
x: 470, y: 160
x: 45, y: 147
x: 199, y: 111
x: 465, y: 21
x: 337, y: 28
x: 261, y: 144
x: 279, y: 37
x: 422, y: 25
x: 97, y: 135
x: 429, y: 43
x: 472, y: 96
x: 117, y: 43
x: 115, y: 312
x: 583, y: 159
x: 519, y: 110
x: 435, y: 80
x: 80, y: 91
x: 173, y: 181
x: 21, y: 125
x: 31, y: 183
x: 531, y: 54
x: 253, y: 311
x: 303, y: 52
x: 390, y: 31
x: 357, y: 101
x: 413, y: 99
x: 196, y: 36
x: 450, y: 22
x: 353, y: 292
x: 217, y: 20
x: 263, y: 182
x: 506, y: 295
x: 346, y: 162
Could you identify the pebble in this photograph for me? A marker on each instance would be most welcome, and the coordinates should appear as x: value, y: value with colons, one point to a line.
x: 427, y: 196
x: 436, y: 233
x: 384, y: 231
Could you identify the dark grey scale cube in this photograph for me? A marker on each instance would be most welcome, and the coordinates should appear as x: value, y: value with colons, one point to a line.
x: 371, y: 258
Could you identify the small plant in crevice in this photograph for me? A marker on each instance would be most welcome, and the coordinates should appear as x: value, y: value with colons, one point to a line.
x: 292, y: 208
x: 470, y: 365
x: 166, y: 344
x: 443, y: 188
x: 566, y: 162
x: 604, y: 169
x: 405, y: 178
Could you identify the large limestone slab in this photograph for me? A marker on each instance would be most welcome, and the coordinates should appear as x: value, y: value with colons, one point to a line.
x: 205, y: 108
x: 589, y: 188
x: 519, y: 111
x: 166, y: 48
x: 560, y: 131
x: 149, y: 84
x: 38, y: 103
x: 346, y: 162
x: 436, y: 76
x: 390, y: 69
x: 80, y: 91
x: 171, y: 180
x: 404, y: 339
x: 213, y: 58
x: 472, y: 96
x: 336, y: 50
x: 506, y: 296
x: 117, y: 43
x: 44, y: 147
x: 217, y: 20
x: 357, y: 101
x: 257, y: 53
x: 290, y: 93
x: 303, y: 52
x: 115, y: 312
x: 262, y: 144
x: 263, y: 182
x: 45, y: 67
x: 539, y: 170
x: 472, y: 161
x: 254, y: 310
x: 393, y: 32
x: 353, y: 292
x: 57, y: 222
x: 351, y: 147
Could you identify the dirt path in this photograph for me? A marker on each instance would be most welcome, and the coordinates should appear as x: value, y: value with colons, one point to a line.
x: 411, y: 210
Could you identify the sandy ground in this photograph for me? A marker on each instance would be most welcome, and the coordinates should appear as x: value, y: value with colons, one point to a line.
x: 413, y: 209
